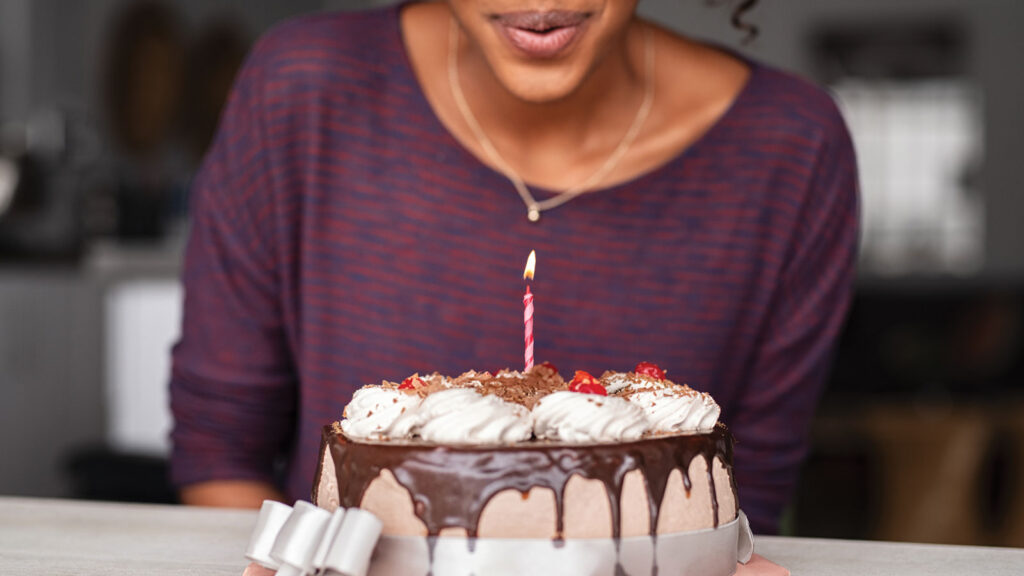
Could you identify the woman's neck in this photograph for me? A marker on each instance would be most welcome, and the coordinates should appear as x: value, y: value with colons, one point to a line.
x: 561, y: 144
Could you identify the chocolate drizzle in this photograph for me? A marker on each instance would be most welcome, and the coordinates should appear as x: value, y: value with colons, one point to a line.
x: 450, y: 486
x: 711, y: 482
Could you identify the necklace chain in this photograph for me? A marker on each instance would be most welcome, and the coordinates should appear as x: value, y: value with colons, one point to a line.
x: 533, y: 206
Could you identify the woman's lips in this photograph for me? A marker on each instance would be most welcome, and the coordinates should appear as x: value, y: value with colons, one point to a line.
x: 541, y: 34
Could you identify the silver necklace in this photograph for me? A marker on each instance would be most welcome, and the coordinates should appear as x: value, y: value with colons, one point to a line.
x: 533, y: 206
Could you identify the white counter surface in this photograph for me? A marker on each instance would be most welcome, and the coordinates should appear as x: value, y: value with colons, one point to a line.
x: 58, y: 537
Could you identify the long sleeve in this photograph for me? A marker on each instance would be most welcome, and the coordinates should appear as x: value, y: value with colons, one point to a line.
x: 798, y: 338
x: 232, y: 388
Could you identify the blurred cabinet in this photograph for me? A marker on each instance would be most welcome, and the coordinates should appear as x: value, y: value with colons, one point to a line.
x: 84, y: 364
x: 50, y: 389
x: 938, y: 472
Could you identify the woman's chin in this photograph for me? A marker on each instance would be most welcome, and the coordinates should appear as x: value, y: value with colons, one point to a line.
x: 540, y: 86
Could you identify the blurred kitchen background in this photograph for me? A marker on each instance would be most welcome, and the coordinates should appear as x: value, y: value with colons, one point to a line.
x: 920, y: 435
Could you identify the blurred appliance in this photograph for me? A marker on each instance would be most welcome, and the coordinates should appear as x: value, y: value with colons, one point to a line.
x: 143, y: 93
x: 10, y: 173
x: 46, y: 166
x: 143, y: 321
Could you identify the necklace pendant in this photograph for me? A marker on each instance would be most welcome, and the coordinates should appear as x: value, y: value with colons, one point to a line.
x: 533, y: 214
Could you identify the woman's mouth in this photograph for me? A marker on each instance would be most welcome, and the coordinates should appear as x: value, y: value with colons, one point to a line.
x: 541, y: 34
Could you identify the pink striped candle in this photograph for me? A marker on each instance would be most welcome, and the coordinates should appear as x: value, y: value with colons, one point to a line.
x: 528, y: 322
x: 531, y: 264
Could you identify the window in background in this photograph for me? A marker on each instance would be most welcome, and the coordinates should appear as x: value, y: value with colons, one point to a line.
x: 917, y: 124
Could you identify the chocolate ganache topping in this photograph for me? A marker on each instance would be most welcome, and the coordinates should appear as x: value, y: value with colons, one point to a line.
x: 450, y: 485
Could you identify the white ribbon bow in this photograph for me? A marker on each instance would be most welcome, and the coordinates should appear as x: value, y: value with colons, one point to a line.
x: 308, y: 540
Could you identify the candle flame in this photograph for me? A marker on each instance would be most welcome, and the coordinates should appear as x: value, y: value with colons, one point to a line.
x: 531, y: 264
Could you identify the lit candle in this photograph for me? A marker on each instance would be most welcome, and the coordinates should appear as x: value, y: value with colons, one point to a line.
x: 531, y: 264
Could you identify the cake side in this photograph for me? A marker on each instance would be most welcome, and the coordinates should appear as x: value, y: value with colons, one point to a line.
x: 325, y: 484
x: 656, y: 485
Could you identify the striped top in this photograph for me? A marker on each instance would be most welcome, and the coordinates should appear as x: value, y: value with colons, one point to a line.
x: 342, y: 236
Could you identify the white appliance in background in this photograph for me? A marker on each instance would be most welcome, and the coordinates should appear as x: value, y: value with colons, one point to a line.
x: 143, y: 321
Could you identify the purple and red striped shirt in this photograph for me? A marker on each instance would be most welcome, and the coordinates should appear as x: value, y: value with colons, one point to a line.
x: 342, y: 236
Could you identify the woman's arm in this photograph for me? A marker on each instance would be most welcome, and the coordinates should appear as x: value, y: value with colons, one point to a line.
x: 233, y: 383
x: 784, y: 380
x: 230, y: 494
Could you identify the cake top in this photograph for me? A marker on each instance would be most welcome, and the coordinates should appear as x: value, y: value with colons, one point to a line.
x: 510, y: 407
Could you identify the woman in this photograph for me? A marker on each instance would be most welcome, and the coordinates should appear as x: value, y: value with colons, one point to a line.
x: 380, y: 177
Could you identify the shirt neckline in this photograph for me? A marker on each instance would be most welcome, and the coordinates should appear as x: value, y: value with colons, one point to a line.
x: 711, y: 134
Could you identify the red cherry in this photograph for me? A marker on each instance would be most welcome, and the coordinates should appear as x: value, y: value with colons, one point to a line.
x: 410, y: 383
x: 650, y: 369
x: 549, y: 366
x: 585, y: 383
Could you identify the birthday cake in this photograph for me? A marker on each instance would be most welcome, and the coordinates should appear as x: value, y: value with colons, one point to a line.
x: 629, y: 458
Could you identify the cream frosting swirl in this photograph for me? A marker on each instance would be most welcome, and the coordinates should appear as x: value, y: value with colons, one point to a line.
x: 673, y: 408
x: 574, y: 417
x: 464, y: 416
x: 374, y: 413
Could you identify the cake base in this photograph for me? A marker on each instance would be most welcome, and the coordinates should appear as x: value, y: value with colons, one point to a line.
x: 710, y: 552
x: 713, y: 552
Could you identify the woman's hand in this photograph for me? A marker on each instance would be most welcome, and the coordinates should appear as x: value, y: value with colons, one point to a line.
x: 255, y: 569
x: 230, y: 494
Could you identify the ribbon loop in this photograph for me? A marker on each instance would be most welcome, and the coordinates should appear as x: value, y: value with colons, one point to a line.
x: 297, y: 542
x: 308, y: 540
x: 350, y: 549
x: 272, y: 517
x: 333, y: 527
x: 745, y: 540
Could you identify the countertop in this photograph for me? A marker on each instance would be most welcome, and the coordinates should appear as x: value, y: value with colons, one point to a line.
x: 57, y: 537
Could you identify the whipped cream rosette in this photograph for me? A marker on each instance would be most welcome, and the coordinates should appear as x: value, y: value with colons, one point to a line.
x: 373, y: 411
x: 464, y: 416
x: 574, y: 417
